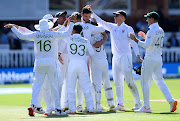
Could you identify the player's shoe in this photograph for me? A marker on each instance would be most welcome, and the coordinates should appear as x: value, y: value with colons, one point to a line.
x: 31, y: 110
x: 120, y: 107
x: 173, y: 106
x: 70, y: 112
x: 48, y: 112
x: 103, y: 108
x: 39, y: 110
x: 143, y: 109
x: 65, y: 109
x: 137, y: 106
x: 112, y: 108
x: 59, y: 112
x: 91, y: 110
x: 79, y: 108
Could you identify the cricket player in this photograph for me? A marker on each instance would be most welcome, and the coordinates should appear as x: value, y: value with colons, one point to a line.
x: 122, y: 57
x: 77, y: 48
x: 63, y: 58
x: 152, y: 64
x: 46, y: 61
x: 45, y: 92
x: 99, y: 74
x: 88, y: 30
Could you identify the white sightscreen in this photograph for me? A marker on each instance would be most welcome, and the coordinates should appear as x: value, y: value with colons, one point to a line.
x: 23, y: 9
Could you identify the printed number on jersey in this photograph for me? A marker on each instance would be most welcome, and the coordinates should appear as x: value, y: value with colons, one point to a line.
x: 159, y: 42
x: 98, y: 49
x: 44, y: 46
x: 80, y: 50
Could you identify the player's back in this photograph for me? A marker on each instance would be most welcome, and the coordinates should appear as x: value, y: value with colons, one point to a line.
x: 45, y: 44
x: 156, y: 33
x: 77, y: 47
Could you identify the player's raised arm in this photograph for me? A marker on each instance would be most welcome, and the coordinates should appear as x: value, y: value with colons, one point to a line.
x: 106, y: 25
x: 19, y: 34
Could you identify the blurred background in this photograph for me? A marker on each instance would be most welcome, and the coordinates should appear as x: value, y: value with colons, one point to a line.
x: 17, y: 56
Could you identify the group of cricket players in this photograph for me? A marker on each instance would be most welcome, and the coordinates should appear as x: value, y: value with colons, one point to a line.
x: 72, y: 53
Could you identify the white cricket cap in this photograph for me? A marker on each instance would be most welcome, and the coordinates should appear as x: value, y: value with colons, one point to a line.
x: 49, y: 16
x: 44, y: 25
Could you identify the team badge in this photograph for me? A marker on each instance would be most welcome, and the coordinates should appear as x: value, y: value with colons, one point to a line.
x: 123, y: 31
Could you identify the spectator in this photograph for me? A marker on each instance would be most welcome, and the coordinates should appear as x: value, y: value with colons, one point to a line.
x: 141, y: 26
x: 172, y: 41
x: 14, y: 42
x: 3, y: 38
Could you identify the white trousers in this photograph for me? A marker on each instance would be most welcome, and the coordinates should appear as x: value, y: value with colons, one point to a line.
x: 99, y: 75
x: 64, y: 68
x: 122, y: 69
x: 42, y: 69
x: 78, y: 70
x: 152, y: 69
x: 45, y: 93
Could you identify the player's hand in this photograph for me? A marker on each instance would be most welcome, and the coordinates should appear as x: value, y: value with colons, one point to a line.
x: 60, y: 60
x: 139, y: 58
x: 132, y: 36
x: 142, y: 34
x: 8, y: 26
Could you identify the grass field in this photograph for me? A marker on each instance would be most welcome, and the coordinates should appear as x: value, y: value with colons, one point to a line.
x: 13, y: 107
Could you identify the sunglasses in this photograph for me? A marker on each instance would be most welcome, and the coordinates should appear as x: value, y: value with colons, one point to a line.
x: 116, y: 15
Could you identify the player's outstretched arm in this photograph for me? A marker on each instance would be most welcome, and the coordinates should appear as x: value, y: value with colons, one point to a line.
x: 99, y: 43
x: 19, y: 34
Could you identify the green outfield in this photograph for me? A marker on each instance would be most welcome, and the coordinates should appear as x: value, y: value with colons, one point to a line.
x: 13, y: 107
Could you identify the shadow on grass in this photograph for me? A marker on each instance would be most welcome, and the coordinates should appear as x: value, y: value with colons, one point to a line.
x: 167, y: 113
x: 55, y: 116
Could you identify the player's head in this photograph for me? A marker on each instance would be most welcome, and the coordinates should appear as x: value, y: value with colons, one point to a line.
x: 43, y: 25
x: 77, y: 17
x: 152, y: 17
x: 120, y: 16
x: 61, y: 17
x: 77, y: 28
x: 86, y: 13
x: 50, y: 17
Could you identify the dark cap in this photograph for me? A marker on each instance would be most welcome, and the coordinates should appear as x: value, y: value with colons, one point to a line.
x: 60, y: 13
x: 153, y: 14
x: 121, y: 12
x: 77, y: 27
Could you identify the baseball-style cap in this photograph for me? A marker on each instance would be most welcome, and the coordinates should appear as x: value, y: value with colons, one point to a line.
x: 121, y: 12
x: 153, y: 14
x: 60, y: 13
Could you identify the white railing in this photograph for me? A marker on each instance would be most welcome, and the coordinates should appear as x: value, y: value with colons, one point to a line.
x: 16, y: 58
x: 25, y: 57
x: 168, y: 55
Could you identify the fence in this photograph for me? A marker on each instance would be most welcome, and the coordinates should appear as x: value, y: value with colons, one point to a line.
x: 25, y: 57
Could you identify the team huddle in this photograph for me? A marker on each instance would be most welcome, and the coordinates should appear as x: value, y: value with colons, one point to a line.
x: 73, y: 54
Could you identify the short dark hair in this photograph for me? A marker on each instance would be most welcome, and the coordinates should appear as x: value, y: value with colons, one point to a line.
x: 78, y: 28
x: 86, y: 10
x: 77, y: 14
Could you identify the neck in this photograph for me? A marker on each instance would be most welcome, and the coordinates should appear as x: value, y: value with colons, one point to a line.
x: 119, y: 23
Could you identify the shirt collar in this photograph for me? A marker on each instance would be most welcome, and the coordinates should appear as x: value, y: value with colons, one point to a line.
x: 153, y: 25
x: 77, y: 35
x: 121, y: 24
